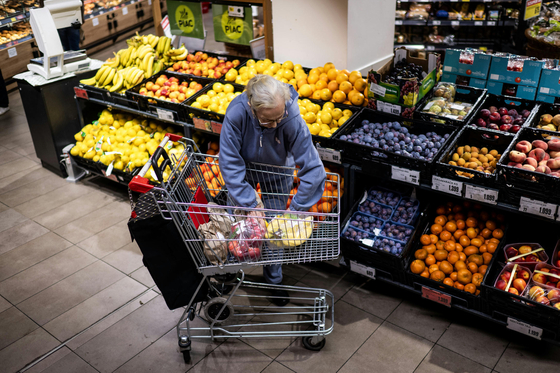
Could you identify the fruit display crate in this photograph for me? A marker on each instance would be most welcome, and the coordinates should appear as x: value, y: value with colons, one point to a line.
x: 510, y: 103
x: 326, y: 142
x: 551, y: 109
x: 386, y: 264
x: 100, y: 169
x: 101, y: 94
x: 222, y: 57
x: 464, y: 94
x: 504, y: 305
x: 203, y: 119
x: 163, y: 107
x: 383, y: 160
x: 479, y: 138
x: 519, y: 182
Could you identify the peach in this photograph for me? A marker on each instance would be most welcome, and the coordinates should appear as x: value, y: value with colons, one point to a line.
x: 546, y: 118
x: 523, y: 146
x: 554, y: 144
x: 516, y: 156
x: 533, y: 162
x: 553, y: 294
x: 554, y: 154
x: 149, y: 86
x: 514, y: 164
x: 539, y: 154
x: 514, y: 291
x: 155, y: 87
x: 543, y: 299
x: 536, y: 291
x: 540, y: 144
x: 543, y: 169
x: 528, y: 167
x: 539, y: 277
x: 555, y: 173
x: 553, y: 164
x: 520, y: 284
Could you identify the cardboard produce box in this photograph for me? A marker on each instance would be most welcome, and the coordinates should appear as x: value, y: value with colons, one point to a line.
x: 515, y: 69
x: 514, y: 90
x: 467, y: 62
x: 463, y: 80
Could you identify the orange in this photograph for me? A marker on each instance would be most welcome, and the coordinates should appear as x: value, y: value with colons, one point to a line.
x: 440, y: 210
x: 472, y: 267
x: 470, y: 250
x: 483, y: 249
x: 208, y: 176
x: 494, y: 240
x: 325, y: 94
x: 426, y: 273
x: 491, y: 225
x: 458, y: 247
x: 472, y: 233
x: 476, y: 259
x: 476, y: 242
x: 472, y: 222
x: 332, y: 86
x: 440, y: 245
x: 486, y: 233
x: 425, y: 239
x: 332, y: 74
x: 460, y: 216
x: 345, y: 86
x: 360, y: 85
x: 453, y: 257
x: 339, y: 96
x: 433, y: 268
x: 437, y: 276
x: 464, y: 276
x: 430, y: 260
x: 440, y: 254
x: 450, y: 246
x: 460, y: 223
x: 316, y: 95
x: 417, y: 266
x: 498, y: 233
x: 216, y: 184
x: 325, y: 207
x: 436, y: 228
x: 357, y: 99
x: 341, y: 77
x: 462, y: 256
x: 448, y: 281
x: 445, y: 236
x: 458, y: 285
x: 191, y: 182
x: 464, y: 241
x: 470, y: 288
x: 451, y: 226
x: 459, y: 265
x: 431, y: 248
x: 477, y: 279
x: 482, y: 269
x: 421, y: 254
x: 441, y: 220
x: 446, y: 267
x: 487, y: 258
x: 458, y: 233
x: 434, y: 238
x: 491, y: 246
x: 321, y: 84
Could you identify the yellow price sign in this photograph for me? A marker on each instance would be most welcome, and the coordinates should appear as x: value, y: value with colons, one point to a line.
x: 532, y: 8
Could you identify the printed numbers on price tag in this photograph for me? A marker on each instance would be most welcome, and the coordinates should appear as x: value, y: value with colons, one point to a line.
x: 481, y: 194
x: 436, y: 296
x: 524, y: 328
x: 448, y: 186
x: 81, y: 93
x: 12, y: 52
x: 388, y: 108
x: 329, y: 155
x: 540, y: 208
x: 165, y: 114
x: 362, y: 269
x: 403, y: 174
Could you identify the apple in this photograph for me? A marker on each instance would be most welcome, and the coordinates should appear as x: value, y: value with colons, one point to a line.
x: 505, y: 276
x: 511, y: 252
x: 557, y: 263
x: 494, y: 126
x: 512, y: 112
x: 520, y: 260
x: 501, y: 284
x: 523, y: 274
x: 535, y: 292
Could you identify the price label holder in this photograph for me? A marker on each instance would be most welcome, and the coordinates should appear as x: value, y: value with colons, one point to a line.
x: 455, y: 23
x: 362, y: 269
x: 430, y: 48
x: 80, y: 92
x: 12, y: 52
x: 398, y: 22
x: 125, y: 11
x: 165, y: 114
x: 388, y: 108
x: 481, y: 194
x: 540, y: 208
x: 491, y: 23
x: 447, y: 186
x: 95, y: 21
x: 478, y: 23
x: 436, y: 296
x: 524, y: 328
x: 406, y: 175
x: 436, y: 23
x: 329, y: 155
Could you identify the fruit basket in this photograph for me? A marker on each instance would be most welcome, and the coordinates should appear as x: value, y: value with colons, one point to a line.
x: 464, y: 94
x: 173, y: 108
x: 467, y: 138
x: 186, y: 67
x: 207, y: 120
x: 435, y: 263
x: 504, y: 305
x: 513, y: 254
x: 504, y: 113
x: 520, y: 172
x: 547, y: 118
x: 425, y: 140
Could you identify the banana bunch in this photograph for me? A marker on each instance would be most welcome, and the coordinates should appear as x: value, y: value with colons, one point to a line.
x: 177, y: 54
x: 289, y: 230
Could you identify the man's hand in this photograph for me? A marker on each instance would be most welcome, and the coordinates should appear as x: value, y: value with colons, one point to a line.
x: 260, y: 217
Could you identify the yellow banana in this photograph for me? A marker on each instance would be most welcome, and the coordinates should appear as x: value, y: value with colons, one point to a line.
x: 144, y: 40
x: 150, y: 66
x: 180, y: 57
x: 109, y: 78
x: 167, y: 45
x: 176, y: 52
x: 138, y: 78
x: 90, y: 81
x: 100, y: 72
x: 154, y: 41
x: 101, y: 80
x: 160, y: 44
x: 145, y: 51
x: 118, y: 83
x: 145, y: 61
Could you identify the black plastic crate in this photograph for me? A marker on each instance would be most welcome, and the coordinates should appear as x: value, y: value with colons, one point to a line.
x: 470, y: 95
x: 152, y: 104
x: 552, y: 109
x: 204, y: 119
x: 219, y: 56
x: 508, y: 102
x: 100, y: 169
x: 519, y: 182
x: 503, y: 304
x: 109, y: 97
x: 382, y: 160
x: 473, y: 137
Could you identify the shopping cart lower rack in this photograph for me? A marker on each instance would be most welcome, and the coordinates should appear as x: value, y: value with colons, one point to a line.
x: 224, y: 241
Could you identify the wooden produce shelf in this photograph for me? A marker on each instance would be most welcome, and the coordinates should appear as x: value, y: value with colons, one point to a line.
x: 16, y: 64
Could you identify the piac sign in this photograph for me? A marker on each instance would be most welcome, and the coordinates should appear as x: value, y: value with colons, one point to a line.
x: 185, y: 19
x: 232, y: 24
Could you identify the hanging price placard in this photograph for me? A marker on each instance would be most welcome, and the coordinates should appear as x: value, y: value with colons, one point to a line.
x: 403, y: 174
x: 540, y: 208
x: 165, y: 115
x: 481, y: 194
x: 436, y: 296
x: 447, y: 185
x: 524, y: 328
x: 362, y: 269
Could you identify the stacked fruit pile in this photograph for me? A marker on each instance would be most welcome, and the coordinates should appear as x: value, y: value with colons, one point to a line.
x: 216, y: 99
x: 170, y: 89
x: 322, y: 121
x: 285, y: 72
x: 502, y: 119
x: 123, y: 142
x: 330, y: 196
x: 549, y: 122
x: 474, y: 158
x: 459, y: 246
x: 200, y: 64
x: 539, y: 156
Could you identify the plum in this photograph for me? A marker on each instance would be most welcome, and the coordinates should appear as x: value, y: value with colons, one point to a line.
x: 503, y: 111
x: 506, y: 119
x: 485, y: 113
x: 495, y: 117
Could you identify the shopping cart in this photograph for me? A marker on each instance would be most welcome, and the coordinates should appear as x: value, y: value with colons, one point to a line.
x: 192, y: 193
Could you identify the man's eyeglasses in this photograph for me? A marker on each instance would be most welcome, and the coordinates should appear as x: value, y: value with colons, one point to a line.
x: 284, y: 116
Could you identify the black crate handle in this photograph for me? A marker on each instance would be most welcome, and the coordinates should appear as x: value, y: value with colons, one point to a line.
x: 160, y: 152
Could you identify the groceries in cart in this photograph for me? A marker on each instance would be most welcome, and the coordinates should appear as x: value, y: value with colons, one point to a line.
x: 289, y: 230
x: 246, y: 239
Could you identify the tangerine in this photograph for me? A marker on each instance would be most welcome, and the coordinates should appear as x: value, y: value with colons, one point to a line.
x: 417, y: 266
x: 453, y: 257
x: 470, y: 250
x: 426, y: 273
x: 476, y: 259
x: 470, y: 288
x: 487, y: 258
x: 430, y: 260
x: 471, y: 222
x: 472, y: 233
x: 458, y: 247
x: 462, y: 256
x: 450, y: 246
x: 453, y: 276
x: 433, y: 268
x: 459, y: 265
x: 482, y: 269
x: 440, y: 255
x: 421, y: 254
x: 441, y: 220
x: 491, y: 225
x: 436, y: 228
x: 451, y: 226
x: 458, y: 285
x: 498, y: 233
x: 425, y: 239
x: 458, y: 233
x: 447, y: 281
x: 434, y: 238
x: 431, y: 248
x: 491, y: 246
x: 476, y: 242
x: 460, y: 223
x: 483, y: 249
x: 438, y: 276
x: 464, y: 276
x: 486, y: 233
x: 440, y: 245
x: 441, y: 210
x: 477, y: 279
x: 445, y: 236
x: 446, y: 267
x: 460, y: 216
x: 464, y: 241
x: 472, y: 267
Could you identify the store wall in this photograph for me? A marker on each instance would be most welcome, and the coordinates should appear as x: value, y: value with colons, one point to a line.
x: 353, y: 34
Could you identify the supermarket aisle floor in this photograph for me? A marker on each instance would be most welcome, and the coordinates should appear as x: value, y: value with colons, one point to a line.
x: 73, y: 284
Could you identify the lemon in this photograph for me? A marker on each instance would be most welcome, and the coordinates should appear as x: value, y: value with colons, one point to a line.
x: 342, y: 120
x: 90, y: 154
x: 311, y: 107
x: 128, y: 125
x: 102, y: 120
x: 302, y: 110
x: 315, y: 129
x: 325, y: 127
x: 310, y: 117
x: 75, y: 151
x: 347, y: 113
x: 119, y: 165
x: 289, y: 65
x: 326, y: 117
x: 228, y: 88
x: 336, y: 113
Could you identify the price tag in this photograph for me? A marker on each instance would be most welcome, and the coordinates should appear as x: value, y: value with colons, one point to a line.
x: 125, y: 11
x: 82, y: 93
x: 436, y: 23
x: 455, y: 23
x: 436, y: 296
x: 430, y: 48
x: 12, y: 52
x: 367, y: 242
x: 329, y: 155
x: 524, y: 328
x: 388, y: 108
x: 540, y: 208
x: 95, y: 21
x: 377, y: 89
x: 478, y: 23
x: 448, y: 186
x: 481, y: 194
x: 406, y: 175
x: 165, y: 114
x: 398, y: 22
x: 362, y: 269
x: 491, y: 23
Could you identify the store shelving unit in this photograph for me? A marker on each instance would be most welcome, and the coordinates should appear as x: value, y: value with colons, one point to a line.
x: 15, y: 54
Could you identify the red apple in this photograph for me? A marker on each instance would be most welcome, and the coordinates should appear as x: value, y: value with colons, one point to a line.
x: 523, y: 274
x: 501, y: 284
x: 511, y: 252
x: 505, y: 276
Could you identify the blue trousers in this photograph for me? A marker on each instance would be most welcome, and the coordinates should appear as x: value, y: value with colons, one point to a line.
x: 70, y: 38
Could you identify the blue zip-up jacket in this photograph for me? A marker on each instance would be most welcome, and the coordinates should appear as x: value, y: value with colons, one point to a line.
x: 244, y: 140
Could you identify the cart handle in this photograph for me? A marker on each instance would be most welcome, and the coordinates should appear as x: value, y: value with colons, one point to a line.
x: 141, y: 184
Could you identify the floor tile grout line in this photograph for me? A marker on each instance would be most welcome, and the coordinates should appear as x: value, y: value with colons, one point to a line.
x: 19, y: 169
x: 500, y: 358
x: 424, y: 358
x: 81, y: 358
x: 466, y: 357
x: 64, y: 343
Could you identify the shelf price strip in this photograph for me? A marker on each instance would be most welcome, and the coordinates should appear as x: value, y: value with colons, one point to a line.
x: 481, y: 194
x: 403, y: 174
x: 362, y: 269
x: 436, y: 296
x: 540, y: 208
x: 524, y: 328
x: 329, y: 155
x: 447, y: 186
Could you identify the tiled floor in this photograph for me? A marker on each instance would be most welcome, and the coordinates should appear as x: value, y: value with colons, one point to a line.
x: 74, y: 292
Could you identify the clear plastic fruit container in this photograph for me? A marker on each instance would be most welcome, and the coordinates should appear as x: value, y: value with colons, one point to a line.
x: 519, y: 273
x: 384, y: 212
x: 542, y: 256
x: 369, y: 223
x: 555, y: 259
x: 397, y: 214
x: 546, y: 295
x: 542, y: 275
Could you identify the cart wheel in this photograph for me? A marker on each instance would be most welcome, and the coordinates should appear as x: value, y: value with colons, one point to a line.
x: 187, y: 357
x: 214, y: 306
x: 308, y: 343
x: 191, y: 314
